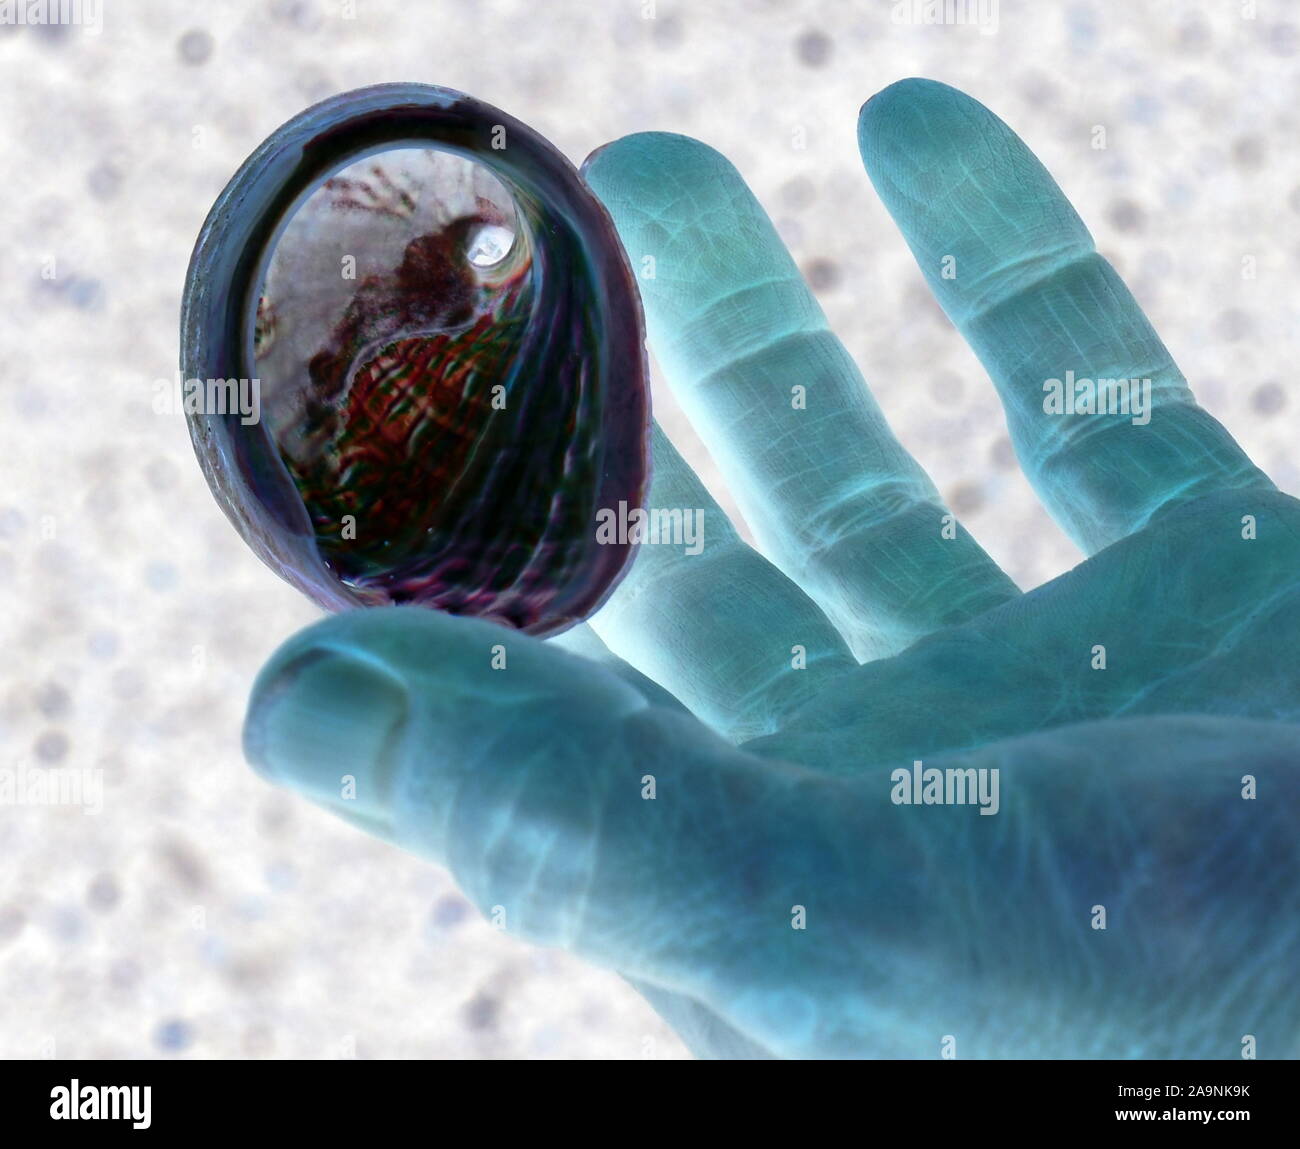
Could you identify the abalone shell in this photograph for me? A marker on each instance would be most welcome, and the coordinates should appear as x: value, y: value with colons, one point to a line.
x: 446, y: 344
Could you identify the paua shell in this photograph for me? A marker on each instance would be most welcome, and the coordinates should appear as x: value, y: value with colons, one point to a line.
x: 447, y: 347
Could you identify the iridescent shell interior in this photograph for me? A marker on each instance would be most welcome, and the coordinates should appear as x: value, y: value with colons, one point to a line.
x: 447, y: 344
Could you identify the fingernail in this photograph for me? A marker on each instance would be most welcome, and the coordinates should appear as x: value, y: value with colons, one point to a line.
x: 329, y: 724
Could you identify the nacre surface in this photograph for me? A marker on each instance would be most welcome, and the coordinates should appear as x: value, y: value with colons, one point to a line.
x: 447, y: 348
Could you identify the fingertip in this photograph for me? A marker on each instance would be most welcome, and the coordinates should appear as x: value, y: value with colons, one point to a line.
x: 980, y: 212
x: 912, y: 90
x: 306, y: 687
x: 912, y: 117
x: 642, y: 171
x: 639, y: 145
x: 328, y: 721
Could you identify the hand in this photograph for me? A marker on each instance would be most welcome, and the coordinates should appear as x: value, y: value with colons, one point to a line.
x: 773, y: 898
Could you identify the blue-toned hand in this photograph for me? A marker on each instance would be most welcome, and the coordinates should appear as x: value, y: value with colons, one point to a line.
x: 714, y: 793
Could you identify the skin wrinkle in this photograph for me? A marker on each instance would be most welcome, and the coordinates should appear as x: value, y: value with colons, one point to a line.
x: 1040, y: 269
x: 737, y: 365
x: 891, y: 500
x: 1223, y: 645
x: 1045, y: 453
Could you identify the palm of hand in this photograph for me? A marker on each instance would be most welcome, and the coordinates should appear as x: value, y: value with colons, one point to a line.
x: 707, y: 799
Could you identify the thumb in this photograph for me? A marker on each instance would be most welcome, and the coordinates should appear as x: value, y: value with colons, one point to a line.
x: 564, y: 800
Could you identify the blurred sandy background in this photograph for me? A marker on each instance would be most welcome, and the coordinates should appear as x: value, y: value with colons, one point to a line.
x: 203, y: 914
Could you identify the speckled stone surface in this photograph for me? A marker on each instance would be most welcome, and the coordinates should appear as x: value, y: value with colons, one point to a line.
x: 200, y: 913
